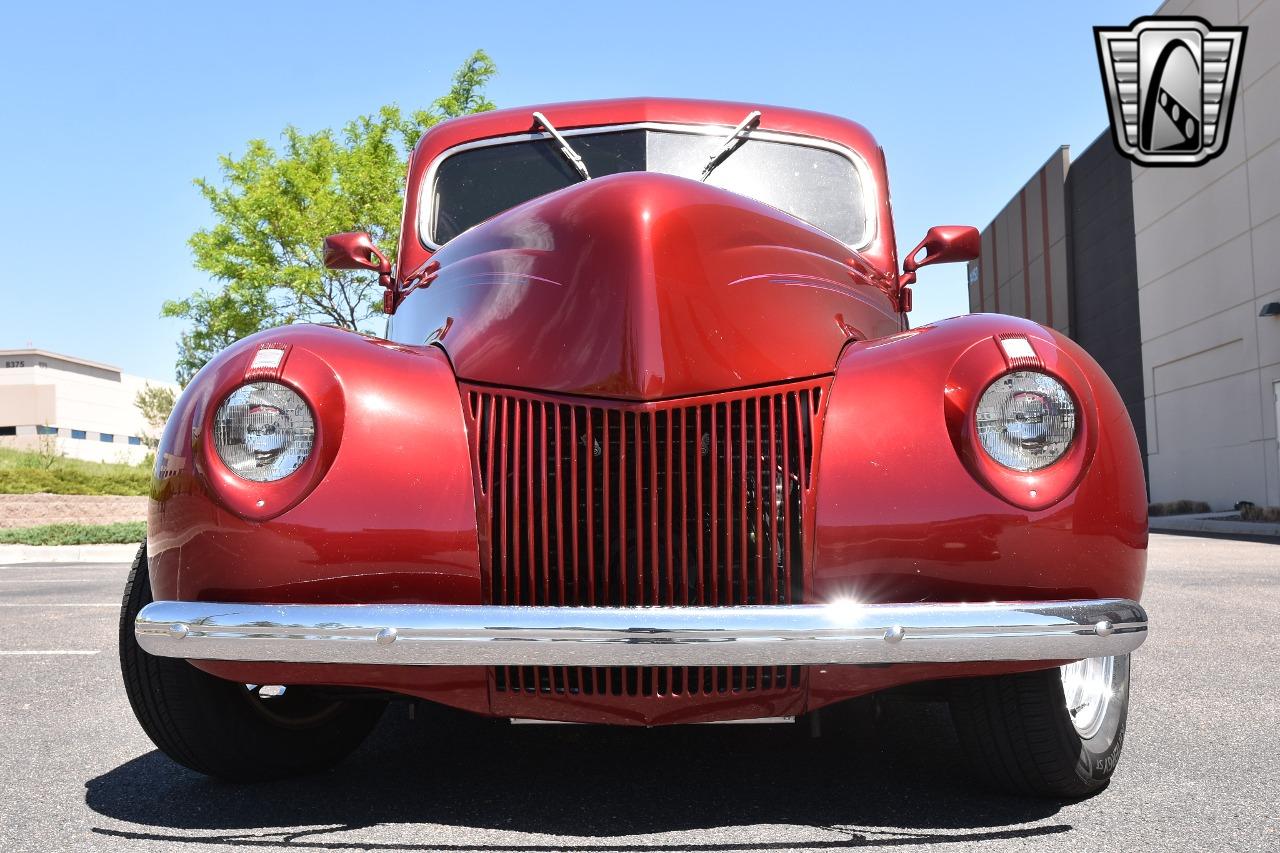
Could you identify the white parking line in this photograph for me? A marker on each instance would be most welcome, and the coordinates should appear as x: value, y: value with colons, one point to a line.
x: 50, y: 580
x: 49, y: 651
x: 56, y: 604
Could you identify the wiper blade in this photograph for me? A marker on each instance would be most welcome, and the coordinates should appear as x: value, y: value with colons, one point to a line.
x: 731, y: 143
x: 566, y: 149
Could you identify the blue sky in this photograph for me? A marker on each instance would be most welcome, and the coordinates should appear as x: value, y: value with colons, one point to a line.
x: 110, y: 112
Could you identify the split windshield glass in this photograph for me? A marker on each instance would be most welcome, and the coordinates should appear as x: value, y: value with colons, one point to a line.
x: 816, y: 185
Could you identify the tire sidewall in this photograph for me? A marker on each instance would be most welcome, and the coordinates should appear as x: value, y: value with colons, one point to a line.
x: 1098, y: 755
x: 210, y: 725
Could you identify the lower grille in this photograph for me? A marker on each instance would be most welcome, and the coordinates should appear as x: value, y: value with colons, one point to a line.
x: 700, y: 501
x: 643, y: 681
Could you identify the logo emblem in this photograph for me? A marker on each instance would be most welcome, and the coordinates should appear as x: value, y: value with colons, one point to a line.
x: 1171, y: 84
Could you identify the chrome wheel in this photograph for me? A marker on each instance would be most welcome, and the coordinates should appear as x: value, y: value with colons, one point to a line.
x: 1054, y: 732
x: 1087, y: 686
x: 290, y: 707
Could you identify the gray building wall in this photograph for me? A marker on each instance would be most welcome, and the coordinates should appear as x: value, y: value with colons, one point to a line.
x: 1023, y: 267
x: 1208, y: 259
x: 1104, y: 271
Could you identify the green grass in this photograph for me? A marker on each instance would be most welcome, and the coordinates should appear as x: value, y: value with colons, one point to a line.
x: 76, y: 534
x: 25, y: 473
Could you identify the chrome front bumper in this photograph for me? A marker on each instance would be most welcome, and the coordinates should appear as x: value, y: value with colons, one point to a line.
x: 466, y: 635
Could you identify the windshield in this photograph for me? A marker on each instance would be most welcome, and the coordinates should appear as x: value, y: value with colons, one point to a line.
x: 820, y: 186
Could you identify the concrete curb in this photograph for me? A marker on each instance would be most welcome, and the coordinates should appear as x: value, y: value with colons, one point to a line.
x: 10, y: 554
x: 1213, y: 523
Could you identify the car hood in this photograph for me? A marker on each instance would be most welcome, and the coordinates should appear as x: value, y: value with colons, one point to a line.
x: 644, y: 286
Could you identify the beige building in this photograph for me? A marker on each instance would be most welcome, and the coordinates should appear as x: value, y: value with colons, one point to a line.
x: 1170, y: 278
x: 72, y: 406
x: 1023, y: 268
x: 1208, y: 262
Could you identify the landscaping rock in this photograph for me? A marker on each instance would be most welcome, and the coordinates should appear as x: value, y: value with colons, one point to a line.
x: 39, y: 509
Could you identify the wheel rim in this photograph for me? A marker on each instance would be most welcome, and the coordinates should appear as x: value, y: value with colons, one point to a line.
x: 1088, y: 691
x: 297, y: 708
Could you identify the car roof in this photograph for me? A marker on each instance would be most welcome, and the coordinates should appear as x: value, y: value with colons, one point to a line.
x: 576, y: 114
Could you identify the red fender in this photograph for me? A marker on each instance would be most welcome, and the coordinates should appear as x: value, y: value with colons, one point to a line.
x: 383, y: 511
x: 909, y: 509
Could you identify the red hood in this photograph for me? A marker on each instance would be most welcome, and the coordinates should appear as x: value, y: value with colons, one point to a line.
x: 645, y: 286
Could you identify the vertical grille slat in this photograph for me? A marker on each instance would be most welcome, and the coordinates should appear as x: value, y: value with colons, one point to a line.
x: 784, y: 420
x: 803, y: 456
x: 694, y: 457
x: 683, y: 504
x: 664, y: 418
x: 586, y: 533
x: 658, y: 589
x: 744, y: 449
x: 556, y: 463
x: 611, y: 504
x: 605, y: 520
x: 517, y: 526
x: 534, y: 513
x: 503, y: 519
x: 725, y: 511
x: 544, y: 509
x: 713, y: 513
x: 623, y: 526
x: 758, y: 530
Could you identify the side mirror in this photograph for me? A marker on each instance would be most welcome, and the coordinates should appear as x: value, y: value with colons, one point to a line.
x: 944, y: 244
x: 354, y: 250
x: 941, y: 244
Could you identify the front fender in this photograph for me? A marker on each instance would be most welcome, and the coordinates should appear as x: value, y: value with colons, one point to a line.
x: 385, y: 512
x: 903, y: 515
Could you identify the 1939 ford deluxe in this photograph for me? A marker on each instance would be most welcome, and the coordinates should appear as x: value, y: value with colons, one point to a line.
x: 649, y: 441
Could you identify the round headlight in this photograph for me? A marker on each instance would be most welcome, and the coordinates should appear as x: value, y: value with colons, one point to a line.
x: 263, y: 431
x: 1026, y: 420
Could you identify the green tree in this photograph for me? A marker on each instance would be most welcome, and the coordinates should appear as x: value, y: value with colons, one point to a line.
x: 155, y: 402
x: 274, y: 208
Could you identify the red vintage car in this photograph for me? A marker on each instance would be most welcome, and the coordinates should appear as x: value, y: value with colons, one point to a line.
x: 649, y: 441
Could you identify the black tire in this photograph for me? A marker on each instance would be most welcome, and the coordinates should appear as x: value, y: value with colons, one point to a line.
x: 223, y: 729
x: 1019, y: 736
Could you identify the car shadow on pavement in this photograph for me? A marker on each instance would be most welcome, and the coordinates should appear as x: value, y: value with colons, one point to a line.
x: 899, y: 781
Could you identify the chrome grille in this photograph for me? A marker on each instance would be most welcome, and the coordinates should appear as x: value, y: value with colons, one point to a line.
x: 643, y: 681
x: 699, y: 501
x: 691, y: 502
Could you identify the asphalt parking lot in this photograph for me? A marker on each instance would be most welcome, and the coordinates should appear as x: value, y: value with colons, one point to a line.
x: 1201, y: 769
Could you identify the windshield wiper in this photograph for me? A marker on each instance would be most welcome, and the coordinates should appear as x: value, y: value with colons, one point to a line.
x: 566, y: 149
x: 731, y: 143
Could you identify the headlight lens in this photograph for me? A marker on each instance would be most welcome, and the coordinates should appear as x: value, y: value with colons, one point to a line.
x: 263, y: 431
x: 1026, y: 420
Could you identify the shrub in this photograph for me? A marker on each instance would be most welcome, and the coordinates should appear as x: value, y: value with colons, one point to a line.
x: 1260, y: 513
x: 76, y: 534
x: 1182, y: 507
